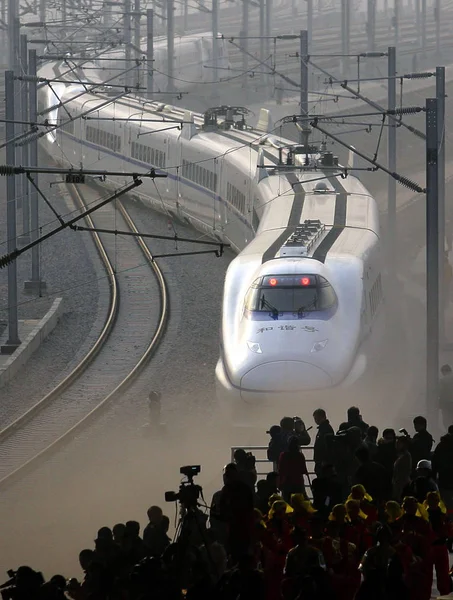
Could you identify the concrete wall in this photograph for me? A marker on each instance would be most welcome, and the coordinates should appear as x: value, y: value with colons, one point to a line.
x: 34, y: 339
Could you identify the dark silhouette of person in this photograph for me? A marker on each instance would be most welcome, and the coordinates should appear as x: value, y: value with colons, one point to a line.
x: 246, y: 466
x: 421, y: 443
x: 373, y: 476
x: 321, y: 453
x: 292, y: 468
x: 386, y: 450
x: 423, y: 483
x: 327, y: 491
x: 442, y: 466
x: 236, y: 508
x: 355, y: 420
x: 370, y: 440
x: 155, y: 536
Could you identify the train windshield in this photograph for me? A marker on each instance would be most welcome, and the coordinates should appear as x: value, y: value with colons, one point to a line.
x: 296, y: 294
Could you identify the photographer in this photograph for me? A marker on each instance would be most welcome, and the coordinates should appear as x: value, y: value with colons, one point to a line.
x: 24, y: 584
x: 245, y: 462
x: 300, y: 432
x: 294, y: 427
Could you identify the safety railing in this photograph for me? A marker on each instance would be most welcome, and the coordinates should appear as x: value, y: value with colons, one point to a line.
x: 265, y: 466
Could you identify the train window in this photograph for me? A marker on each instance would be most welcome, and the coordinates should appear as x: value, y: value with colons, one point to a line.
x: 296, y: 294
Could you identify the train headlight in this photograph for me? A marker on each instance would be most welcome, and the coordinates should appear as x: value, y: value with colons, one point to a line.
x: 254, y: 347
x: 318, y: 346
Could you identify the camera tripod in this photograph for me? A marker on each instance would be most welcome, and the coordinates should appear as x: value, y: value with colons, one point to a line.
x: 191, y: 534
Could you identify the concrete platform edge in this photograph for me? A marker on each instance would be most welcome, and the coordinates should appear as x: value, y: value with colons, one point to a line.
x: 31, y: 343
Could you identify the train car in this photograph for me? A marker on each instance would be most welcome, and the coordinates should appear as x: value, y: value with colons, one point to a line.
x: 302, y: 300
x: 193, y: 61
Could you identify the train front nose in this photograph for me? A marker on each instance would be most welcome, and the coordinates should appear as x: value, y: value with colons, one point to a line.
x: 285, y: 376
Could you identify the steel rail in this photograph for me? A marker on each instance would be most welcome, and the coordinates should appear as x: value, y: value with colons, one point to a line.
x: 68, y: 435
x: 88, y: 358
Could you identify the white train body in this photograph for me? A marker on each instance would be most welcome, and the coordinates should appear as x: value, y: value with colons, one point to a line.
x: 308, y: 329
x: 192, y: 62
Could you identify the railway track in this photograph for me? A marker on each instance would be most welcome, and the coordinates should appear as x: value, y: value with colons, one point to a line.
x: 126, y: 343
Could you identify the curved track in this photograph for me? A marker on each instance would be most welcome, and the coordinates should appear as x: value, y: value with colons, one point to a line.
x: 127, y: 341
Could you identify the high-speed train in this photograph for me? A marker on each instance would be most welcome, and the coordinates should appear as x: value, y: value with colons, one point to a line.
x: 302, y: 298
x: 193, y: 61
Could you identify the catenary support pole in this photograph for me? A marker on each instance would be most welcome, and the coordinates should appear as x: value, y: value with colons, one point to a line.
x: 417, y: 21
x: 127, y: 41
x: 137, y: 23
x: 310, y: 24
x: 371, y: 25
x: 391, y: 206
x: 25, y: 237
x: 440, y: 95
x: 423, y: 25
x: 13, y: 326
x: 170, y: 45
x: 64, y: 12
x: 262, y: 41
x: 186, y: 15
x: 215, y: 48
x: 34, y: 284
x: 437, y: 17
x: 345, y: 34
x: 303, y: 53
x: 432, y: 262
x: 149, y: 52
x: 42, y: 10
x: 396, y: 22
x: 12, y: 42
x: 18, y: 102
x: 245, y: 43
x: 267, y: 32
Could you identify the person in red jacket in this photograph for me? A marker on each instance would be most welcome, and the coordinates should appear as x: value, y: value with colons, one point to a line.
x: 292, y: 469
x: 345, y: 576
x: 357, y: 530
x: 303, y: 512
x: 416, y: 532
x: 442, y: 530
x: 279, y: 527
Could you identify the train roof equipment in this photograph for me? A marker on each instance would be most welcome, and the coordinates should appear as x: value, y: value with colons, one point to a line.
x: 303, y: 240
x: 212, y: 123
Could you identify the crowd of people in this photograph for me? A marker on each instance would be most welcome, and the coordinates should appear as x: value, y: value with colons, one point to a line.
x: 371, y: 521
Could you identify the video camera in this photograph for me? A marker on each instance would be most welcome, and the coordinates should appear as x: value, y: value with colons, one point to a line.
x: 189, y: 492
x: 24, y: 577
